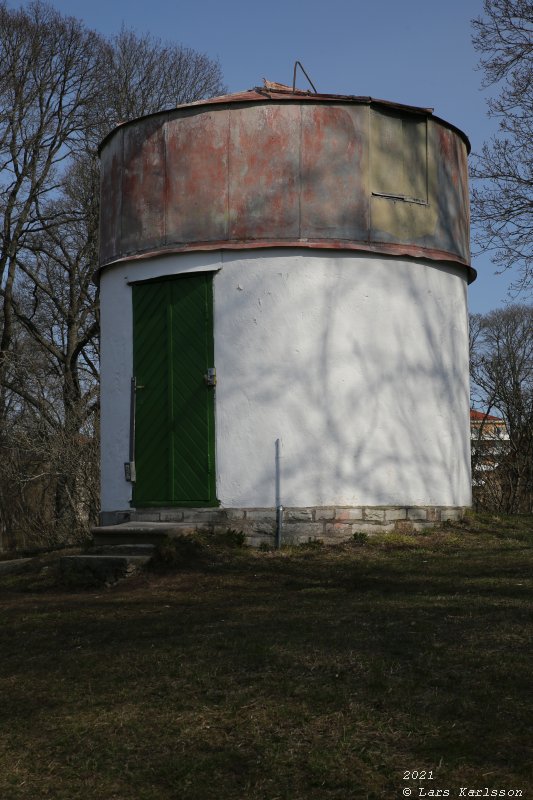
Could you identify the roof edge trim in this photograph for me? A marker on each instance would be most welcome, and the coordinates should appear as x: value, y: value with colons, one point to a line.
x: 262, y: 95
x: 388, y: 249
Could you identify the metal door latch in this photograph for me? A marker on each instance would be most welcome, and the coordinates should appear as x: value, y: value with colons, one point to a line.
x: 211, y: 377
x: 129, y: 471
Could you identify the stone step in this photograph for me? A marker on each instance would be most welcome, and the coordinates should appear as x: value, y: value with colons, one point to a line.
x: 89, y: 569
x: 15, y: 566
x: 138, y: 533
x: 131, y: 549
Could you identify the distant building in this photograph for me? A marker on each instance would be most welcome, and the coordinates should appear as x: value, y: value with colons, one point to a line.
x: 489, y: 441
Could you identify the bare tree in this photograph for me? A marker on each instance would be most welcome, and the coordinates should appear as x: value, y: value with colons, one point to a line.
x: 36, y: 453
x: 145, y: 74
x: 54, y: 109
x: 49, y: 76
x: 502, y: 376
x: 502, y: 197
x: 56, y: 304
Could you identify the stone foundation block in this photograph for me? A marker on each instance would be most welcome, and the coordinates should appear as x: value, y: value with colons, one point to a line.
x: 232, y: 514
x: 310, y: 529
x: 298, y: 515
x: 373, y: 527
x: 327, y: 523
x: 114, y: 517
x: 451, y: 514
x: 339, y: 531
x: 404, y: 526
x: 171, y: 515
x: 223, y: 529
x: 265, y: 527
x: 204, y: 527
x: 393, y: 514
x: 347, y: 514
x: 201, y: 515
x: 146, y: 516
x: 261, y: 515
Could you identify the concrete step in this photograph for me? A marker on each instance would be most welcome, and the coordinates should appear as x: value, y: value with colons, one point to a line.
x: 130, y: 549
x: 15, y: 566
x: 105, y: 568
x: 118, y: 551
x: 138, y: 533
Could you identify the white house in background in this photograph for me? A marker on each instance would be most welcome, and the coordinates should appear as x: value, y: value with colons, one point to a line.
x: 490, y: 440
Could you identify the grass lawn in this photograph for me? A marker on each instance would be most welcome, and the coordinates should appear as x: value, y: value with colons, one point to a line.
x: 309, y: 673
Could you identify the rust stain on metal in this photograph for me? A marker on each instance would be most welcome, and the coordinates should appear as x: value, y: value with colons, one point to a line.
x: 273, y: 167
x: 334, y: 191
x: 264, y: 174
x: 143, y: 185
x: 196, y: 193
x: 111, y: 196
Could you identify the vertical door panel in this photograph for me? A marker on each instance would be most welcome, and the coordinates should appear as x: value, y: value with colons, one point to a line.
x: 173, y: 348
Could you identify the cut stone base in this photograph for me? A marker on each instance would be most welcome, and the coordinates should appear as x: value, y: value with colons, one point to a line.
x: 328, y: 524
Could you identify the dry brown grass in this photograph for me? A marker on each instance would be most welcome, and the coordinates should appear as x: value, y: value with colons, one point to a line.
x: 306, y: 674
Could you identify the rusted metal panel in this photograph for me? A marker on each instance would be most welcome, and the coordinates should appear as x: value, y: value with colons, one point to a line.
x: 262, y: 94
x: 386, y: 169
x: 415, y: 157
x: 441, y: 222
x: 334, y: 190
x: 111, y: 199
x: 398, y: 155
x: 196, y: 202
x: 143, y: 185
x: 301, y: 171
x: 452, y: 193
x: 264, y: 172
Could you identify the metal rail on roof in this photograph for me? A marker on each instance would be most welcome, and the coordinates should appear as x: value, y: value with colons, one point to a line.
x: 299, y: 64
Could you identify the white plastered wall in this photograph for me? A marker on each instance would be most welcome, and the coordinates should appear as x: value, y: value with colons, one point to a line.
x: 357, y: 363
x: 116, y: 368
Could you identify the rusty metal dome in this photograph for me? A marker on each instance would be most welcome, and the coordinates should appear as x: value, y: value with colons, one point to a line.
x: 284, y: 168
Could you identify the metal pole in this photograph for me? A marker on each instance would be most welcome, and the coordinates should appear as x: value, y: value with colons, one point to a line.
x: 279, y: 507
x: 129, y: 466
x: 133, y: 398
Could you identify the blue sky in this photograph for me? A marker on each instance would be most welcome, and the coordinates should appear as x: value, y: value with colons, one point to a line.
x: 417, y: 52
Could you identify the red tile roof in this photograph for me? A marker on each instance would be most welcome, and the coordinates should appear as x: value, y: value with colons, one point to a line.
x: 476, y: 416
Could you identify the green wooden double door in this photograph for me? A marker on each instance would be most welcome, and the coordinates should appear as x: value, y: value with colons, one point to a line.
x: 174, y: 404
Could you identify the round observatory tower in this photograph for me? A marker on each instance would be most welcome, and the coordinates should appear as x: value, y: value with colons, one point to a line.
x: 284, y: 316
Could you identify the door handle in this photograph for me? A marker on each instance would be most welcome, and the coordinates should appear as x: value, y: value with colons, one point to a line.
x: 210, y: 377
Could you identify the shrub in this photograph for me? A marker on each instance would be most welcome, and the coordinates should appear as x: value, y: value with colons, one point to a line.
x: 231, y: 538
x: 180, y: 551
